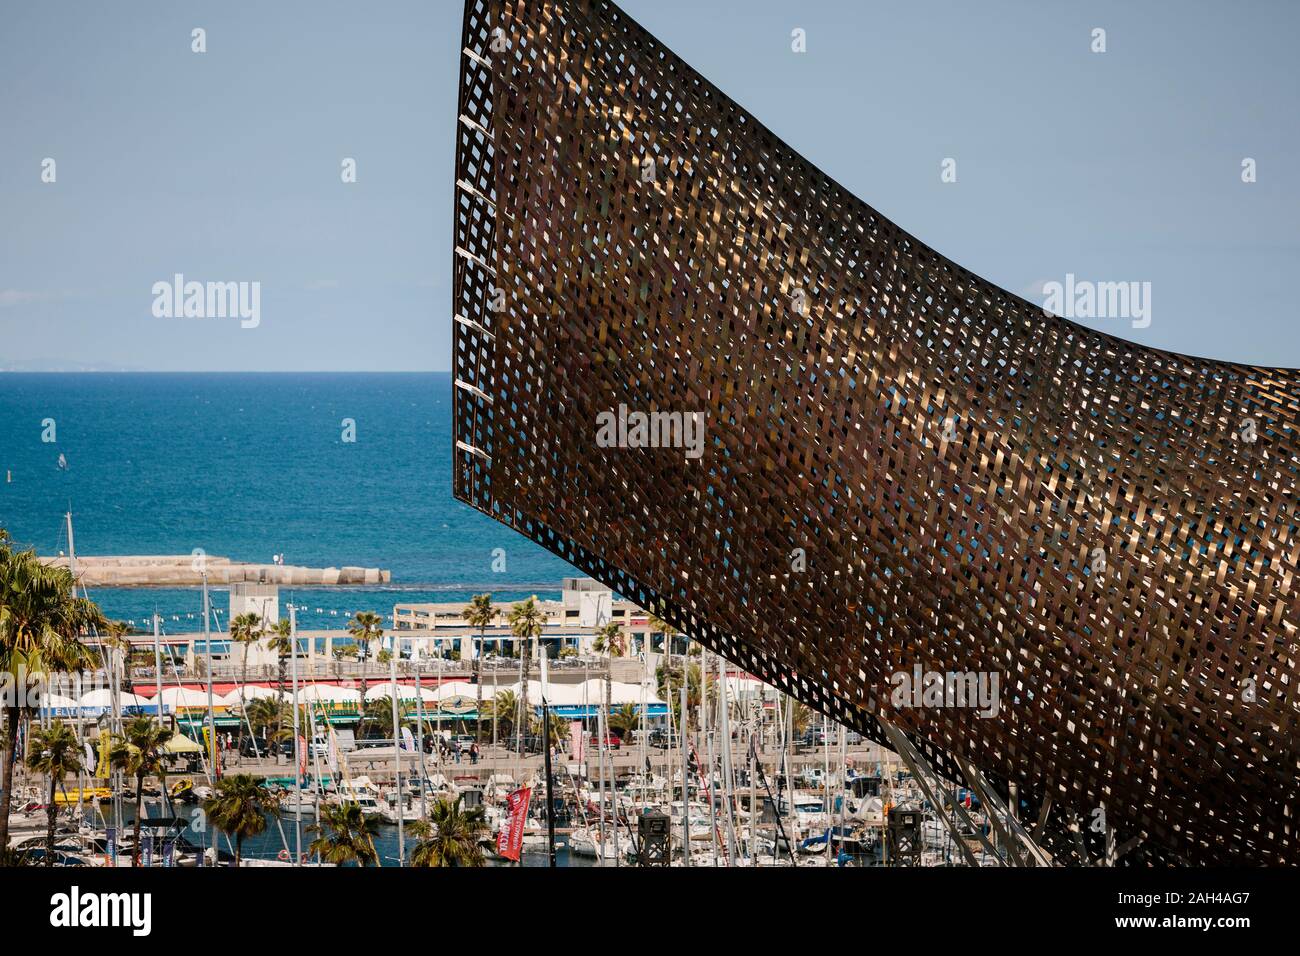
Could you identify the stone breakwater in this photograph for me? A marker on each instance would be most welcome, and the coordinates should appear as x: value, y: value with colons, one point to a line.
x: 183, y: 570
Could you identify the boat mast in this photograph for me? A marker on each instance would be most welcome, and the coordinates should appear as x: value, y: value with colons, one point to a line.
x: 844, y: 777
x: 419, y: 732
x: 397, y: 756
x: 724, y: 710
x: 706, y: 778
x: 826, y: 781
x: 207, y: 643
x: 297, y: 738
x: 157, y: 664
x: 686, y: 817
x: 603, y: 724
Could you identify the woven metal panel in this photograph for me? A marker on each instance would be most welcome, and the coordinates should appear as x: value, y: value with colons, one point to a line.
x: 903, y: 465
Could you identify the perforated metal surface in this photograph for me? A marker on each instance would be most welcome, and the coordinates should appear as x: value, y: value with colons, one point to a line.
x: 1126, y: 689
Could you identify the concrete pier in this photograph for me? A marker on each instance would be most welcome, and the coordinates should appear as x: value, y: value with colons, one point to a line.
x: 182, y: 570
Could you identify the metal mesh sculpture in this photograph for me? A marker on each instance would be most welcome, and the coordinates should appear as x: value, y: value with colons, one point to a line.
x: 903, y: 465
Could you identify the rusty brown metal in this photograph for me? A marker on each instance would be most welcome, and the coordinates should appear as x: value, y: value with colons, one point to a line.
x: 903, y: 466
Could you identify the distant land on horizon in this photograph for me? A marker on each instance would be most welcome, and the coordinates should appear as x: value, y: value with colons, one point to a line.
x: 61, y: 365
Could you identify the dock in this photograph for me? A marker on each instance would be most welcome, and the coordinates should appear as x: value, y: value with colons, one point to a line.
x: 187, y: 570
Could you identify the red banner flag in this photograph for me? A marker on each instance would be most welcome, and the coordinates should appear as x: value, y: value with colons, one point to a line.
x: 510, y: 838
x: 302, y: 756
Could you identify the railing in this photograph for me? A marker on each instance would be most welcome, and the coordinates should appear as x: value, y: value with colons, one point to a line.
x: 372, y: 671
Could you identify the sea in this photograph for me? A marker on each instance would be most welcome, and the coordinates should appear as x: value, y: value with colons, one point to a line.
x: 326, y: 469
x: 250, y: 465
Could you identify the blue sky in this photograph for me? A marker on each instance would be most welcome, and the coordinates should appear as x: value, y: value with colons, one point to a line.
x: 1121, y: 166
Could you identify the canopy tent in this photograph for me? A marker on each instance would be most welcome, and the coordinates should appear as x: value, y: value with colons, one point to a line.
x: 56, y: 705
x: 591, y: 711
x: 185, y: 697
x: 590, y: 693
x: 625, y: 693
x: 180, y: 744
x: 458, y: 688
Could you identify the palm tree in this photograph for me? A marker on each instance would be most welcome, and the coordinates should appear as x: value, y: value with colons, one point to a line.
x: 479, y: 613
x: 611, y: 642
x: 266, y: 715
x: 453, y: 838
x: 114, y: 636
x: 558, y: 730
x: 665, y: 631
x: 350, y: 838
x: 41, y: 623
x: 380, y: 711
x: 668, y: 678
x: 526, y: 624
x: 280, y: 644
x: 53, y: 750
x: 239, y: 807
x: 504, y: 708
x: 246, y: 630
x: 365, y: 626
x: 139, y: 753
x: 624, y: 720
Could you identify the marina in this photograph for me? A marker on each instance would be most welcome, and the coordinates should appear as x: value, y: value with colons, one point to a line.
x: 631, y: 747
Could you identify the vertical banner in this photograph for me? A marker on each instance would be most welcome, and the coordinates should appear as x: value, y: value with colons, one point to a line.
x: 146, y: 850
x: 408, y: 739
x: 576, y: 738
x: 215, y: 751
x: 110, y: 845
x: 169, y: 852
x: 302, y: 756
x: 510, y: 839
x: 105, y: 746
